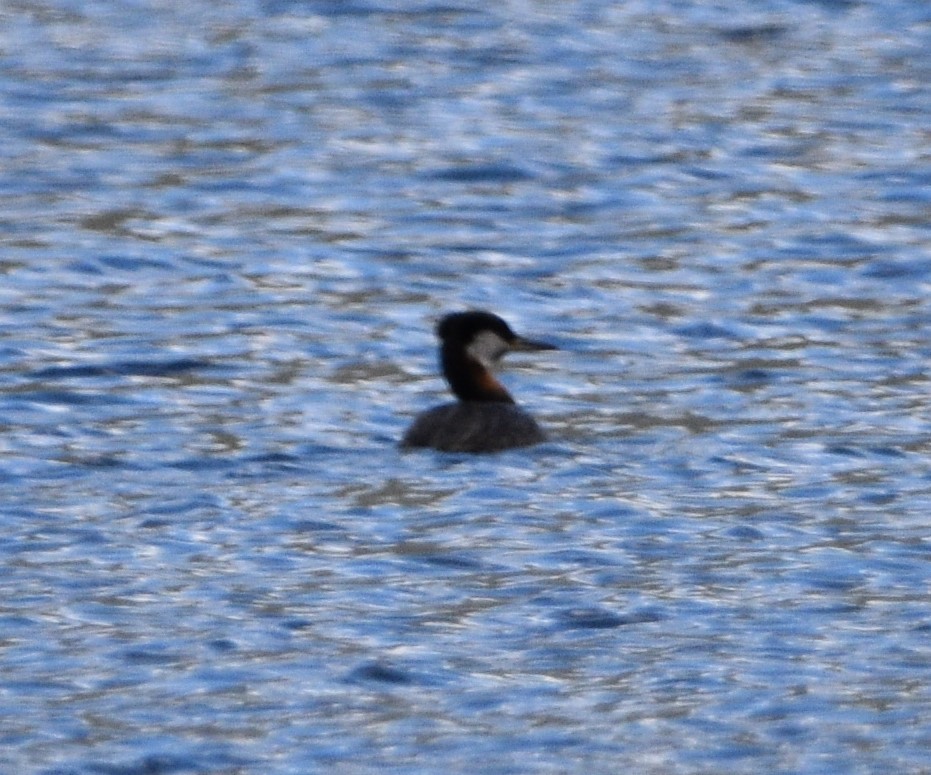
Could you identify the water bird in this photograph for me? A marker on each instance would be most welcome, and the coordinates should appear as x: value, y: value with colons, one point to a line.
x: 486, y: 417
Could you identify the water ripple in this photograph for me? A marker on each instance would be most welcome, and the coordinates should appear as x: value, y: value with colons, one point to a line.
x: 228, y: 232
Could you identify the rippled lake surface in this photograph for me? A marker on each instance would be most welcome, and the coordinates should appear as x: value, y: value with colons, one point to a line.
x: 227, y: 230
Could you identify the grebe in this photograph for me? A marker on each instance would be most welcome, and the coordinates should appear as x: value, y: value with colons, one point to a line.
x: 485, y: 418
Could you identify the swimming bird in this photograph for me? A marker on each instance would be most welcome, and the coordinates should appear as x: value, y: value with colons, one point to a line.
x: 485, y: 418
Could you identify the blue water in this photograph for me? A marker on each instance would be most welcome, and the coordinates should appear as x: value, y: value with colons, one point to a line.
x: 227, y: 231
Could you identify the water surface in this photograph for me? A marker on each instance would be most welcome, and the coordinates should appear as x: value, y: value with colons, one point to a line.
x: 226, y: 232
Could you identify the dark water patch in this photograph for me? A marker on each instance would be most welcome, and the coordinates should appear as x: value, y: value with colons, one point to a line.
x: 705, y: 331
x: 122, y: 369
x: 452, y: 561
x: 283, y: 460
x: 884, y: 498
x: 833, y: 5
x: 316, y: 526
x: 327, y: 8
x: 483, y: 173
x: 28, y: 395
x: 885, y: 269
x: 753, y: 377
x: 888, y: 451
x: 745, y: 533
x: 135, y: 264
x: 755, y: 34
x: 297, y: 624
x: 185, y: 502
x: 843, y: 450
x: 151, y: 764
x: 380, y: 673
x: 154, y: 524
x: 151, y: 656
x: 204, y: 463
x: 600, y: 619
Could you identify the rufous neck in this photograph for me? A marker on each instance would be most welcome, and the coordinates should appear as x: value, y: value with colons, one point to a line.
x: 470, y: 380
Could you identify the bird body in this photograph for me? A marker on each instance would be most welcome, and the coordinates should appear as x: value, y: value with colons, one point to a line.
x: 474, y: 426
x: 485, y: 418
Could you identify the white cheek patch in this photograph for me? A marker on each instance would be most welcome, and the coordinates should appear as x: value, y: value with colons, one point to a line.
x: 487, y: 347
